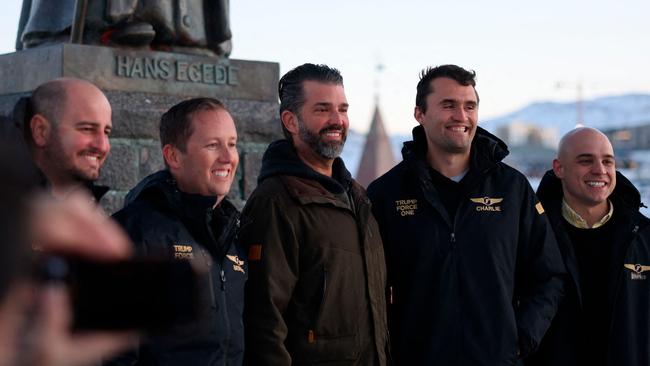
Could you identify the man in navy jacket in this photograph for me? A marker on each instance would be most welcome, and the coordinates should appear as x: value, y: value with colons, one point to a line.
x: 604, y: 318
x: 473, y: 265
x: 182, y: 212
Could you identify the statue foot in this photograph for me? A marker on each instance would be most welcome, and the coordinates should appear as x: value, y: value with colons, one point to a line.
x: 134, y: 34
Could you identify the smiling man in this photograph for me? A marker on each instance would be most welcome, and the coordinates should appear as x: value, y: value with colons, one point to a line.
x: 473, y: 267
x: 67, y: 124
x: 182, y: 212
x: 605, y: 242
x: 315, y: 293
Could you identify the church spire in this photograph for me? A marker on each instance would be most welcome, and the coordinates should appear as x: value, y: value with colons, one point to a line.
x: 377, y: 157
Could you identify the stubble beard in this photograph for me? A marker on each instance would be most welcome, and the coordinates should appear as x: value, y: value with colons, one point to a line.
x: 64, y: 166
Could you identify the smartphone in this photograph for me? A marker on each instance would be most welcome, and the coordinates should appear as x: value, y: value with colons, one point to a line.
x: 145, y: 294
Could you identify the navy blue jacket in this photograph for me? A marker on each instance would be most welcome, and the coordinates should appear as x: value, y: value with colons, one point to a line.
x: 164, y: 222
x: 474, y: 288
x: 628, y: 292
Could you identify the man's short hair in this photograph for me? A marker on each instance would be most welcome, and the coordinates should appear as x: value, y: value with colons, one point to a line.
x: 290, y: 87
x: 457, y: 73
x: 48, y: 100
x: 176, y: 123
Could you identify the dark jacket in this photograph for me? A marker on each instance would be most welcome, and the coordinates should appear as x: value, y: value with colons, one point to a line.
x: 628, y: 292
x: 468, y: 289
x: 316, y: 288
x: 163, y: 222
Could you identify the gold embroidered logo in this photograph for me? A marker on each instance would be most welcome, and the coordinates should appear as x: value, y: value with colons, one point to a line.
x: 238, y: 263
x: 183, y: 251
x: 487, y: 203
x: 637, y: 271
x: 406, y: 207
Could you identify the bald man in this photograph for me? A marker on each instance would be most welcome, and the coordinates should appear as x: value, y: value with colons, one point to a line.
x: 66, y: 124
x: 604, y: 318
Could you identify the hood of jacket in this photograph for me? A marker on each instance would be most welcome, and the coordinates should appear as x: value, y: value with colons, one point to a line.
x: 281, y: 158
x: 486, y: 152
x: 550, y: 192
x: 486, y: 148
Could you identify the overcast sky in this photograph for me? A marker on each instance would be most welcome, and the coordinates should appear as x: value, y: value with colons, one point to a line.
x: 520, y: 50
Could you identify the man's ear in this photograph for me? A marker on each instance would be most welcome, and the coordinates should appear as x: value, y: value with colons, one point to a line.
x: 558, y: 169
x: 172, y: 156
x: 41, y: 129
x: 418, y: 115
x: 290, y: 121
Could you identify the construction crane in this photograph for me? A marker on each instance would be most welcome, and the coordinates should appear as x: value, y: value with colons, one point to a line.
x: 578, y: 86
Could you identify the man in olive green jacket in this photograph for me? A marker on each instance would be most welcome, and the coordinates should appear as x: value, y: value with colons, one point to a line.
x: 317, y: 278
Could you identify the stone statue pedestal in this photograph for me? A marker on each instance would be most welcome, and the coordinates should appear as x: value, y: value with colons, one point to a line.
x: 141, y: 86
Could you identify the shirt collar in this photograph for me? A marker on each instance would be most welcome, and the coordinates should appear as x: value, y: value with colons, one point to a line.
x: 576, y: 220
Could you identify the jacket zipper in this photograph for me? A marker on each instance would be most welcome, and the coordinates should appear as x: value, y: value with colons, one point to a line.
x: 208, y: 260
x: 231, y: 229
x: 225, y: 313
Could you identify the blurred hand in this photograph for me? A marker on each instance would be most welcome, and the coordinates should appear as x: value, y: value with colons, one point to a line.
x: 35, y: 320
x: 77, y: 226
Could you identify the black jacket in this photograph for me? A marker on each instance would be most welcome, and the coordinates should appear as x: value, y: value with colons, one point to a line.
x: 316, y: 291
x: 163, y: 222
x: 469, y: 289
x: 628, y: 292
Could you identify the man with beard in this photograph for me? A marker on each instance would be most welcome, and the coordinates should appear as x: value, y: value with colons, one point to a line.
x: 316, y: 287
x: 473, y: 265
x: 66, y: 124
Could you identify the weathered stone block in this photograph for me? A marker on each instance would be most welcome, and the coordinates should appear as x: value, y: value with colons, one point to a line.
x: 140, y: 71
x: 251, y: 169
x: 151, y: 159
x: 256, y: 121
x: 120, y: 170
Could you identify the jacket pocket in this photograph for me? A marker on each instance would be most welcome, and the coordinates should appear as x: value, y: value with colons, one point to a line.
x: 322, y: 349
x: 330, y: 336
x: 321, y: 306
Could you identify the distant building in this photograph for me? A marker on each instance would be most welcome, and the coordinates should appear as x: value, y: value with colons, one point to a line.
x: 531, y: 160
x: 528, y: 134
x: 629, y: 138
x: 377, y: 157
x: 532, y: 147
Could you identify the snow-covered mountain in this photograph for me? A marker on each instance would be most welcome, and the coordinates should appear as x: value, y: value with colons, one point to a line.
x: 602, y: 113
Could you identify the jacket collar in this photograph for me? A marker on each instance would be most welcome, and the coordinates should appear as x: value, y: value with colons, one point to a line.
x: 625, y: 196
x: 163, y: 185
x: 98, y: 191
x: 576, y: 220
x: 281, y: 158
x: 486, y: 152
x: 486, y: 148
